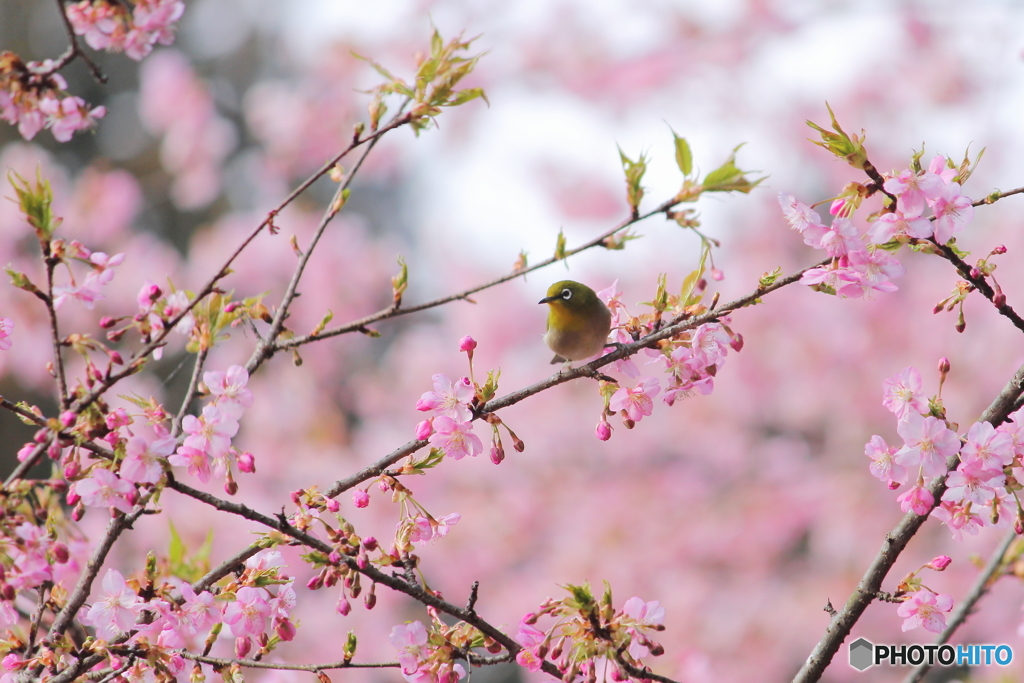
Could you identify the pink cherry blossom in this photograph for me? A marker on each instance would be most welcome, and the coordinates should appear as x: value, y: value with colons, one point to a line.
x: 456, y: 439
x: 959, y: 519
x: 143, y: 462
x: 875, y: 267
x: 913, y: 190
x: 6, y: 329
x: 247, y: 613
x: 210, y: 433
x: 230, y: 390
x: 360, y: 498
x: 637, y: 402
x: 970, y: 482
x: 883, y: 466
x: 104, y: 265
x: 115, y: 607
x: 841, y: 238
x: 901, y: 393
x: 924, y: 608
x: 449, y: 398
x: 410, y: 640
x: 918, y: 499
x: 710, y: 344
x: 88, y: 293
x: 197, y: 462
x: 803, y: 219
x: 175, y: 304
x: 929, y: 443
x: 953, y: 212
x: 896, y: 224
x: 103, y: 489
x: 989, y: 448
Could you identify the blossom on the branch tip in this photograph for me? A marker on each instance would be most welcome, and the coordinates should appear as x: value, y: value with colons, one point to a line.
x: 913, y: 190
x: 229, y: 389
x: 247, y: 613
x: 988, y: 447
x: 901, y: 393
x: 924, y: 608
x: 883, y: 465
x: 143, y: 462
x: 115, y: 607
x: 958, y: 519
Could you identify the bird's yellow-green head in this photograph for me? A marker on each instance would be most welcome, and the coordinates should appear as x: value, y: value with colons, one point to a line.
x: 578, y: 321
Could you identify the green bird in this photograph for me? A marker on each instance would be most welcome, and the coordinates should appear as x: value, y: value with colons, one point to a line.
x: 578, y: 321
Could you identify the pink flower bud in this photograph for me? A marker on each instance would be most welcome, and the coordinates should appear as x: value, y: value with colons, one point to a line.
x: 60, y: 552
x: 334, y: 557
x: 231, y: 487
x: 73, y: 497
x: 943, y: 365
x: 360, y: 498
x: 343, y: 607
x: 424, y: 429
x: 9, y: 592
x: 315, y: 583
x: 717, y: 275
x: 893, y: 485
x: 118, y: 418
x: 362, y: 561
x: 247, y: 462
x: 371, y: 598
x: 106, y: 322
x: 940, y: 563
x: 467, y: 343
x: 297, y: 497
x: 975, y: 273
x: 78, y: 511
x: 285, y: 629
x: 242, y: 646
x: 53, y: 450
x: 603, y: 430
x: 41, y: 435
x: 332, y: 505
x: 115, y: 358
x: 176, y: 664
x: 497, y: 453
x: 999, y: 299
x: 132, y: 496
x: 370, y: 543
x: 232, y: 307
x: 115, y: 335
x: 1000, y: 249
x: 736, y: 342
x: 68, y: 417
x: 383, y: 486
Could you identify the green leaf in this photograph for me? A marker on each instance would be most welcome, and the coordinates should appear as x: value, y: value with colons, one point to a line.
x: 684, y: 157
x: 560, y: 244
x: 768, y: 279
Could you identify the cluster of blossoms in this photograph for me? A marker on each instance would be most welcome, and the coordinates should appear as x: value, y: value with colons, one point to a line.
x: 110, y: 26
x: 689, y: 360
x: 173, y: 615
x: 980, y: 491
x: 862, y: 261
x: 33, y: 97
x: 429, y: 656
x: 589, y: 638
x: 101, y: 272
x: 141, y: 459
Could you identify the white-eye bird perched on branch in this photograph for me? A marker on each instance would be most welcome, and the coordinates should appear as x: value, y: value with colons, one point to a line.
x: 578, y: 321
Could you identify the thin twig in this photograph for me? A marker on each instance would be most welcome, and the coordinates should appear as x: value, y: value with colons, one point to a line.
x: 392, y: 312
x: 895, y: 541
x: 265, y: 347
x: 981, y: 586
x: 193, y: 386
x: 51, y: 312
x: 75, y: 49
x: 253, y: 664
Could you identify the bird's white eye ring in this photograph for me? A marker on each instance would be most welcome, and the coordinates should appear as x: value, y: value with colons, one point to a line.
x: 567, y: 294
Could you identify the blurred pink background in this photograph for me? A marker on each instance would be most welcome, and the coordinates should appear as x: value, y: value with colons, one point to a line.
x: 743, y: 511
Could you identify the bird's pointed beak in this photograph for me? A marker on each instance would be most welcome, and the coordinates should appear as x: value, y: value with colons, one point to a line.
x: 547, y: 299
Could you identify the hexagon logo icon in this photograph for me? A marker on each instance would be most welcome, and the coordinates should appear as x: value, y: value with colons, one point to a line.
x: 862, y: 654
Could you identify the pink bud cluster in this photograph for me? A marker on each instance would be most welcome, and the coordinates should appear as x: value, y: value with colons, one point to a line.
x: 860, y: 265
x: 588, y: 641
x: 977, y: 492
x: 429, y: 656
x: 109, y: 25
x: 33, y: 97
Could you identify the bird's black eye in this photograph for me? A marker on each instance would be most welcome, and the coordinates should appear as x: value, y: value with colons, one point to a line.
x: 566, y: 294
